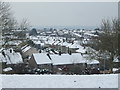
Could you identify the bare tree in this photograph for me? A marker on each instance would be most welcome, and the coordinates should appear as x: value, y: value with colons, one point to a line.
x: 24, y: 24
x: 24, y: 27
x: 107, y: 42
x: 7, y: 21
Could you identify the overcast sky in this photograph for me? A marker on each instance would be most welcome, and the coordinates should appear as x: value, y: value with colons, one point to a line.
x: 65, y: 13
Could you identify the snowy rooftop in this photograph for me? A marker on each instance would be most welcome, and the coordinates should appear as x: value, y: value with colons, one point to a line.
x: 42, y: 58
x: 78, y: 35
x: 37, y: 42
x: 67, y: 59
x: 11, y: 58
x: 65, y: 44
x: 81, y: 50
x: 25, y: 48
x: 74, y: 46
x: 89, y: 34
x: 92, y: 62
x: 14, y: 58
x: 14, y: 42
x: 116, y: 59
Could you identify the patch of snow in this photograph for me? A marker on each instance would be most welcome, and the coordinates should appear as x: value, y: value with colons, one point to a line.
x: 60, y: 81
x: 115, y: 69
x: 92, y: 62
x: 7, y: 69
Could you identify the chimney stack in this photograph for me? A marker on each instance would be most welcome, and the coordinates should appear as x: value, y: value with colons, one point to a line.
x: 59, y: 52
x: 70, y: 53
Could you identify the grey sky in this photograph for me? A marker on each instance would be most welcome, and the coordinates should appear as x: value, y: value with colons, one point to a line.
x: 65, y: 13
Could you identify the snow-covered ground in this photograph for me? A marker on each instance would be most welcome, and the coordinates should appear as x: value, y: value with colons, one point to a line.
x: 60, y: 81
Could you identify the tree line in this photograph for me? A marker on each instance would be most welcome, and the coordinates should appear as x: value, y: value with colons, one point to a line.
x: 8, y: 23
x: 107, y: 44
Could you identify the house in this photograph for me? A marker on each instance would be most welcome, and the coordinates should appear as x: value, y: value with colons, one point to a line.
x: 73, y: 47
x: 27, y: 51
x: 38, y: 44
x: 66, y: 63
x: 63, y: 47
x: 81, y: 50
x: 40, y: 60
x: 10, y: 57
x: 116, y: 61
x: 73, y: 63
x: 63, y: 63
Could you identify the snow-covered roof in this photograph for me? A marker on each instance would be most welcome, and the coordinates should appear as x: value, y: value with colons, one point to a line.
x: 11, y: 58
x: 67, y: 59
x: 76, y: 34
x: 41, y: 58
x: 24, y: 49
x: 33, y: 38
x: 116, y: 59
x: 37, y: 42
x: 81, y: 49
x: 92, y: 62
x: 42, y: 44
x: 49, y: 42
x: 14, y: 42
x: 56, y: 42
x: 65, y: 44
x: 89, y: 34
x: 74, y: 46
x: 15, y: 58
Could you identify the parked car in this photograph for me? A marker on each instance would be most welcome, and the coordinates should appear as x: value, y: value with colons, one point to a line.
x: 117, y: 71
